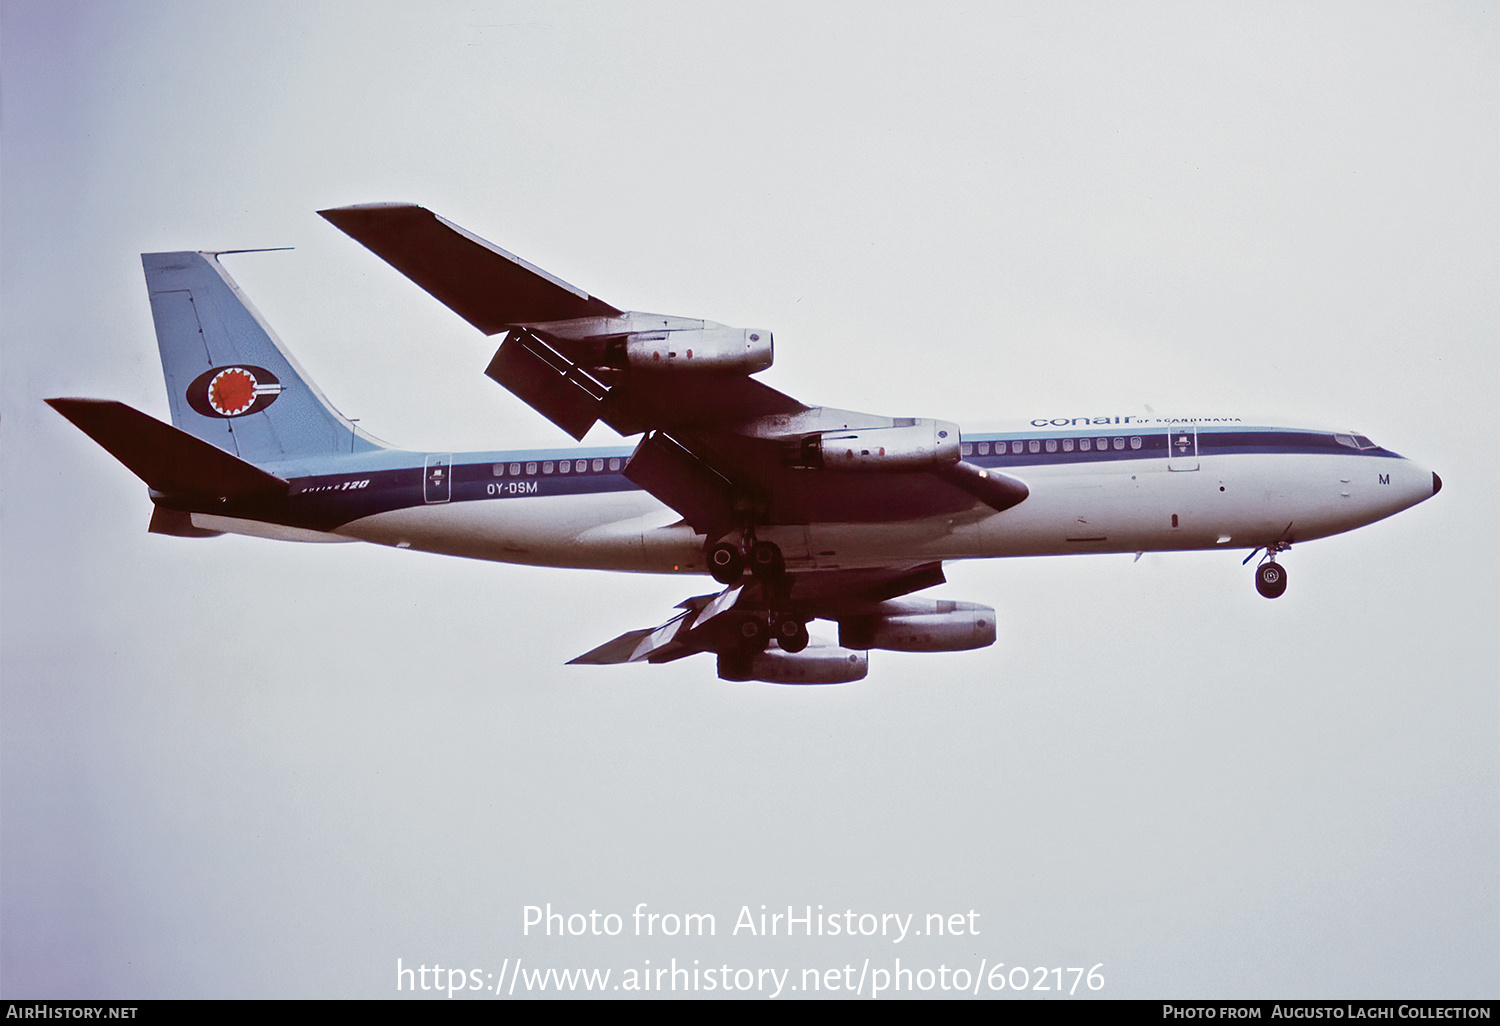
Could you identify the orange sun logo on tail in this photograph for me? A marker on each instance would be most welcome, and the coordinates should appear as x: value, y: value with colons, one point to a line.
x: 233, y: 391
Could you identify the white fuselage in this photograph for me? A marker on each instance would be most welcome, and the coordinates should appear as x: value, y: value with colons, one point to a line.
x: 1119, y: 502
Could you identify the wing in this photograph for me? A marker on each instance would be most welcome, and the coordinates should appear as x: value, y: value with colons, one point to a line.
x: 721, y: 448
x: 482, y: 283
x: 568, y: 354
x: 759, y: 631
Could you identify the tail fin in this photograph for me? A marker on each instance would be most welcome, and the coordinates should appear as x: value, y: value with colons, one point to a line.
x: 230, y: 382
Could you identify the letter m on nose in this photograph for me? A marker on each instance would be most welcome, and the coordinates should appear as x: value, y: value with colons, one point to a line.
x: 1385, y: 479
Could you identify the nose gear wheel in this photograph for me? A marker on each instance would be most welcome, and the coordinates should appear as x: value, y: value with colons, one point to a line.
x: 1270, y: 576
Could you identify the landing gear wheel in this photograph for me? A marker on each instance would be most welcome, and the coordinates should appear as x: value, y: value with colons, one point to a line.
x: 1270, y: 579
x: 752, y: 634
x: 766, y: 561
x: 791, y: 634
x: 725, y: 563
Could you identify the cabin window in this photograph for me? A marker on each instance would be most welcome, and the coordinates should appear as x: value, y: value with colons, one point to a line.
x: 984, y: 448
x: 547, y: 467
x: 498, y: 469
x: 1034, y: 445
x: 598, y: 466
x: 565, y: 467
x: 966, y: 449
x: 515, y: 468
x: 1102, y: 443
x: 1119, y: 444
x: 1135, y: 443
x: 1051, y: 445
x: 1085, y: 444
x: 581, y: 466
x: 531, y: 468
x: 614, y: 465
x: 1067, y: 445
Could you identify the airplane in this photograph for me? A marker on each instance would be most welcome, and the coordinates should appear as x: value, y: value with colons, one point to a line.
x: 799, y: 513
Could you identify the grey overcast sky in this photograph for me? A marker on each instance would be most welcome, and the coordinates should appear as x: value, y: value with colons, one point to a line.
x: 242, y: 768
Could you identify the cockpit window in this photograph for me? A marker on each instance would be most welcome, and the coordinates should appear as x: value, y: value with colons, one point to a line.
x: 1355, y: 441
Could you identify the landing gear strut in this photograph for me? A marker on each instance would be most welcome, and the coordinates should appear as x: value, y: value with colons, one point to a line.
x: 1270, y: 576
x: 727, y: 562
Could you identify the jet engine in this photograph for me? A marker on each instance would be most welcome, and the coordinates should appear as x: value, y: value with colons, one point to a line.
x: 817, y: 664
x: 920, y: 625
x: 910, y: 443
x: 717, y: 348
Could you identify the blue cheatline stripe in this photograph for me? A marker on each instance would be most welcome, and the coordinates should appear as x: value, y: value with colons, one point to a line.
x: 325, y: 501
x: 1153, y: 445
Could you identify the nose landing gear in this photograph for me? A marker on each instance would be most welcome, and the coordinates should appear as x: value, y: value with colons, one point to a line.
x: 1270, y: 576
x: 1270, y: 579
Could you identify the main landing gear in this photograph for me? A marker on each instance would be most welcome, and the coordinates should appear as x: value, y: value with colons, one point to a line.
x: 727, y: 563
x: 1270, y: 576
x: 791, y: 633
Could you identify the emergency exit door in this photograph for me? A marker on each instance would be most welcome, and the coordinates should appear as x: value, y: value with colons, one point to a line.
x: 1182, y: 447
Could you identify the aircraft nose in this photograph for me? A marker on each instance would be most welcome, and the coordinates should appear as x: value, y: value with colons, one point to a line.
x: 1437, y: 483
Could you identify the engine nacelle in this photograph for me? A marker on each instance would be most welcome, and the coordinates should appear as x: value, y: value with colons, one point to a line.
x: 822, y: 664
x: 731, y: 350
x: 910, y: 444
x: 920, y: 625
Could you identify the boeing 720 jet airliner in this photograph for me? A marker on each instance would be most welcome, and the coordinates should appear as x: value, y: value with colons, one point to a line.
x: 800, y: 512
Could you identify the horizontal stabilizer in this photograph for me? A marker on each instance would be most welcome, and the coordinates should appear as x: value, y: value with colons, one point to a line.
x: 169, y: 460
x: 479, y: 281
x: 178, y: 524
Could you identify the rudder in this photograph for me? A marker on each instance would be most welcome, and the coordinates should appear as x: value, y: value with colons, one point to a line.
x: 229, y: 380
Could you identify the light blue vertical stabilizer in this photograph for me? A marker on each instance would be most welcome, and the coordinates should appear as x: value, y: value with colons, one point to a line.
x: 229, y: 380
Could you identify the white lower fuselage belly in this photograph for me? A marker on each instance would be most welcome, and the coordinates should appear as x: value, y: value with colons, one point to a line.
x: 1238, y: 501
